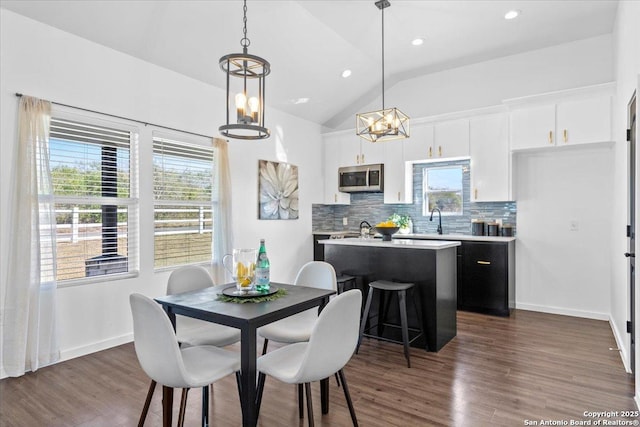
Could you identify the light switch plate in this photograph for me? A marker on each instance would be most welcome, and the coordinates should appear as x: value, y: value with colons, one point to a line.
x: 345, y: 220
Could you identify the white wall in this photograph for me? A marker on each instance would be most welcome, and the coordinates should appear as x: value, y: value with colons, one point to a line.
x: 41, y: 61
x: 559, y: 270
x: 566, y: 66
x: 627, y: 73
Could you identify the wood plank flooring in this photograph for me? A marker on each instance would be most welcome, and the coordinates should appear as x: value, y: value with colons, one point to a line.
x: 496, y: 372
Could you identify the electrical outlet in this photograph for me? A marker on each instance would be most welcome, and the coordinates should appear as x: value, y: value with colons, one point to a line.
x: 345, y: 220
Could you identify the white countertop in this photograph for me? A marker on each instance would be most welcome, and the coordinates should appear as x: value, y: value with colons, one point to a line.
x: 454, y: 237
x: 395, y: 243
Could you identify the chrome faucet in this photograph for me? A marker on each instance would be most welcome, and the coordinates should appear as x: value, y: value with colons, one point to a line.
x: 439, y: 230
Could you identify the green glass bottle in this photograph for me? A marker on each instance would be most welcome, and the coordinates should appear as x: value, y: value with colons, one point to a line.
x: 262, y: 269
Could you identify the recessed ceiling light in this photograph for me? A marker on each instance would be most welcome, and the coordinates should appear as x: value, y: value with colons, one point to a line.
x: 346, y: 73
x: 417, y: 42
x: 512, y: 14
x: 300, y: 101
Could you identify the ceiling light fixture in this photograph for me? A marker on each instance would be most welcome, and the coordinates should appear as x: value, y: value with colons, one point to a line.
x: 512, y: 14
x: 417, y: 42
x: 346, y: 73
x: 245, y: 72
x: 388, y: 123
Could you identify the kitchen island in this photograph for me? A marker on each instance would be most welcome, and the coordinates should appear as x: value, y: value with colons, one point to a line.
x: 431, y: 265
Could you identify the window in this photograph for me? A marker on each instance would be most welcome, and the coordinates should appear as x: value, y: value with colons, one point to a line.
x: 182, y: 188
x: 443, y: 190
x: 93, y: 172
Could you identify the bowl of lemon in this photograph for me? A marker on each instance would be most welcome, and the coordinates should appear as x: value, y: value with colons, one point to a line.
x: 387, y: 229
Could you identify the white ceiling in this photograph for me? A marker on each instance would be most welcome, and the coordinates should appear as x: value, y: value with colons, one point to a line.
x: 310, y: 42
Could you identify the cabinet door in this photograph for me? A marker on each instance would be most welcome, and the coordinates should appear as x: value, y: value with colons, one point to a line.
x: 584, y: 121
x: 451, y: 139
x: 485, y: 284
x: 420, y: 145
x: 371, y: 152
x: 396, y: 188
x: 533, y: 127
x: 349, y: 150
x: 489, y: 147
x: 332, y: 161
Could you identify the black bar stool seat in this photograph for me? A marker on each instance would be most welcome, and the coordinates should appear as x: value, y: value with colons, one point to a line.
x: 345, y: 279
x: 400, y: 288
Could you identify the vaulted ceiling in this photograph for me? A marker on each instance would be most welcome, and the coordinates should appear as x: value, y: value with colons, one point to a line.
x: 309, y: 43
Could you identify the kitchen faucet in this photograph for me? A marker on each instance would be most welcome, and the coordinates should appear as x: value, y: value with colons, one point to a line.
x: 439, y: 219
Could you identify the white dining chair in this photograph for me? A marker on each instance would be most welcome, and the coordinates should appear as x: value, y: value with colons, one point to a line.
x: 332, y: 343
x: 190, y: 331
x: 166, y: 363
x: 297, y: 328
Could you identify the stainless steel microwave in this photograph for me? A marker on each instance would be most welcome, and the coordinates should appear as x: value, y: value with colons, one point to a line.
x: 361, y: 178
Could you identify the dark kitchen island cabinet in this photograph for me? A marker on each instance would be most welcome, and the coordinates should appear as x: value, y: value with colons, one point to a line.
x: 431, y: 265
x: 486, y: 277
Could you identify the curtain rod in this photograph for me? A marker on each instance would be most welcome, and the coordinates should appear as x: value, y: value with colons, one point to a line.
x: 19, y: 95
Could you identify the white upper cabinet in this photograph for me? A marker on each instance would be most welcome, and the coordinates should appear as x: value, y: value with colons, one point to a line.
x: 333, y: 151
x: 451, y: 139
x: 398, y: 181
x: 573, y: 118
x: 489, y: 147
x: 584, y: 121
x: 418, y: 146
x: 371, y: 152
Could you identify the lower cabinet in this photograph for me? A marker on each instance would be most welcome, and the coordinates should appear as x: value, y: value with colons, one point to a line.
x: 486, y: 277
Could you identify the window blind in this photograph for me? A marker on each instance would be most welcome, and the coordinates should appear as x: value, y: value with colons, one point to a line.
x: 182, y: 184
x: 94, y: 177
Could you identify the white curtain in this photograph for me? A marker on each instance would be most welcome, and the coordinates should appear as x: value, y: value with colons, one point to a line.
x: 222, y: 227
x: 30, y: 338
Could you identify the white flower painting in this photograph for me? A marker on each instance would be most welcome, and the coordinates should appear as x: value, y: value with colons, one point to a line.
x: 278, y: 188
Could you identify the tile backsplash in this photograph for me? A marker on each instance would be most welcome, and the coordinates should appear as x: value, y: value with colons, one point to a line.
x: 371, y: 207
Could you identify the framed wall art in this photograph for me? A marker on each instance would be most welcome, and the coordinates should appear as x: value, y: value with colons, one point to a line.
x: 277, y: 190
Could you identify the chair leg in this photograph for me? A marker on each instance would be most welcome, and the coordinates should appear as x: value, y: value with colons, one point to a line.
x: 260, y: 389
x: 307, y: 388
x: 347, y: 396
x: 147, y: 402
x: 183, y: 405
x: 402, y: 301
x: 365, y: 315
x: 337, y: 379
x: 205, y: 406
x: 264, y: 346
x: 301, y: 401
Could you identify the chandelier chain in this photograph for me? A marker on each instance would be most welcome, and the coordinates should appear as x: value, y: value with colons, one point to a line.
x: 383, y: 58
x: 245, y: 42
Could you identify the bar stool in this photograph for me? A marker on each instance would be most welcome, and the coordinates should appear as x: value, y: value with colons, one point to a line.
x: 401, y: 290
x: 345, y: 279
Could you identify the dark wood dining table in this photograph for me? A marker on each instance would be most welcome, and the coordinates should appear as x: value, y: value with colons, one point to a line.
x: 248, y: 317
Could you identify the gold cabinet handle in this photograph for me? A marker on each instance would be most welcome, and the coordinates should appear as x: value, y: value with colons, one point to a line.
x: 335, y: 198
x: 362, y: 158
x: 565, y: 135
x: 357, y: 159
x: 430, y: 152
x: 550, y: 137
x: 475, y: 193
x: 440, y: 150
x: 484, y: 262
x: 398, y: 196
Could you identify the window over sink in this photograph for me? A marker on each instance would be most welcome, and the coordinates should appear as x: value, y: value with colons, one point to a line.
x: 442, y: 190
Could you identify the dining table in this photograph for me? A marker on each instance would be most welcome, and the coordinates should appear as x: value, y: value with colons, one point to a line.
x: 205, y: 305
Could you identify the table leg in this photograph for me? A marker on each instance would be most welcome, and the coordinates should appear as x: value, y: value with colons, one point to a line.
x: 248, y: 377
x: 324, y: 395
x: 167, y: 406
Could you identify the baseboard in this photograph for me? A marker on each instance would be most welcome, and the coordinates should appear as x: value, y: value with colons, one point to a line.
x: 86, y: 349
x: 72, y: 353
x: 621, y: 346
x: 563, y: 311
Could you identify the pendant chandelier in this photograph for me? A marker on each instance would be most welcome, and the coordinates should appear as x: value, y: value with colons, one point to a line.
x: 388, y: 123
x: 246, y: 73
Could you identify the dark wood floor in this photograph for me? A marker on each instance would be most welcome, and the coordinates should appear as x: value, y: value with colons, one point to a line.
x: 497, y: 371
